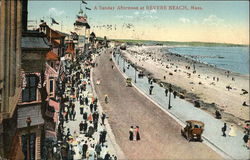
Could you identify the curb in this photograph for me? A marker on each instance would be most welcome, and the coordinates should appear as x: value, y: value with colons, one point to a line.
x: 205, y: 139
x: 116, y: 147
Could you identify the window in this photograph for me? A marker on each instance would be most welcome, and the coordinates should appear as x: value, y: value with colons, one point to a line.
x: 29, y: 93
x: 51, y: 85
x: 52, y: 64
x: 32, y: 146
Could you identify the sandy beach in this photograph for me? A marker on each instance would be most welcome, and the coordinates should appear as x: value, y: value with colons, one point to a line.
x: 208, y: 84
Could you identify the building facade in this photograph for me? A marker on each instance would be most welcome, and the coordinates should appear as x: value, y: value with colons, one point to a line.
x: 11, y: 13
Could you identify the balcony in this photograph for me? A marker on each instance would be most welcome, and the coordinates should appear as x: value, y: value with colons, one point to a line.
x: 34, y: 48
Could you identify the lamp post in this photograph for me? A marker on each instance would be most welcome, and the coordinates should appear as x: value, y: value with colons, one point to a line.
x: 169, y: 100
x: 118, y: 59
x: 28, y: 122
x: 135, y: 74
x: 124, y: 65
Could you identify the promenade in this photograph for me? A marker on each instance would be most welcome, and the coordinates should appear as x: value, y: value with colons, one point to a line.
x: 73, y: 138
x: 229, y: 147
x: 160, y: 133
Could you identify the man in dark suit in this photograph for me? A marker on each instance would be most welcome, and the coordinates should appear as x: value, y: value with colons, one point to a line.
x: 223, y: 129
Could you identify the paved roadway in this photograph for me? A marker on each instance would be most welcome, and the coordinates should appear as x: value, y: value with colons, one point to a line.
x: 160, y: 134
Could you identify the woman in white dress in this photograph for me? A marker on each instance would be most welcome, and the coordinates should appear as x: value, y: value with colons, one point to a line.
x: 232, y: 131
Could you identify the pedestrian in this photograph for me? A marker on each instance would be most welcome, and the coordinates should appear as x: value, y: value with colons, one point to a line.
x: 85, y: 127
x: 95, y: 116
x: 81, y: 109
x: 95, y: 101
x: 91, y: 107
x: 73, y: 106
x: 90, y: 117
x: 73, y: 114
x: 106, y: 98
x: 107, y: 156
x: 67, y: 116
x: 84, y: 149
x: 175, y: 94
x: 247, y: 128
x: 150, y: 90
x: 70, y: 113
x: 95, y: 125
x: 86, y: 101
x: 137, y: 133
x: 101, y: 138
x: 217, y: 114
x: 149, y: 79
x: 98, y: 150
x: 166, y: 92
x: 104, y: 134
x: 81, y: 126
x: 95, y: 107
x: 232, y: 131
x: 245, y: 139
x: 68, y: 133
x: 131, y: 135
x: 152, y: 80
x: 103, y: 118
x: 223, y: 129
x: 85, y: 116
x: 91, y: 130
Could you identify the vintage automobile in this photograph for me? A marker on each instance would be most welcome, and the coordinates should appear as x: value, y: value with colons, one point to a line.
x: 129, y: 82
x: 193, y: 130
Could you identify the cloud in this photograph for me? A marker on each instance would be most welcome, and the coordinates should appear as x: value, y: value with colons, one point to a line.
x: 55, y: 12
x: 212, y: 20
x: 184, y: 20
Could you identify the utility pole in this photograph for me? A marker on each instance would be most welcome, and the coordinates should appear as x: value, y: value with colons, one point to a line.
x: 169, y: 100
x: 135, y: 74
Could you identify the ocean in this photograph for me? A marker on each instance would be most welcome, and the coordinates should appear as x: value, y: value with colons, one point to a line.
x: 234, y: 59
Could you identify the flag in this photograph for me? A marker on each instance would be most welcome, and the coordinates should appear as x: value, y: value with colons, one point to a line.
x: 54, y: 21
x: 87, y: 8
x: 84, y: 2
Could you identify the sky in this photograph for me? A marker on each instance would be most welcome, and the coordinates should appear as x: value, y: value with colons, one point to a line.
x: 204, y: 21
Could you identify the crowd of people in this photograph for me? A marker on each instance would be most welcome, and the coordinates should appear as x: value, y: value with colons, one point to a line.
x: 78, y: 104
